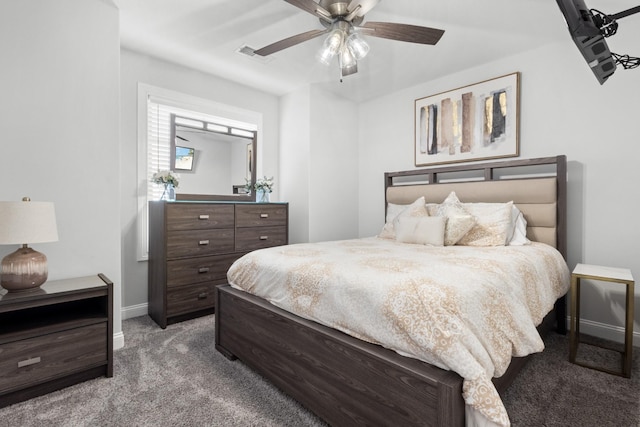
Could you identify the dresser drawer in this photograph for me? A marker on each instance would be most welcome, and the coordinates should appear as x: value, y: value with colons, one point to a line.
x: 196, y: 216
x: 249, y: 239
x: 181, y: 244
x: 196, y: 270
x: 185, y: 299
x: 257, y: 215
x: 46, y: 357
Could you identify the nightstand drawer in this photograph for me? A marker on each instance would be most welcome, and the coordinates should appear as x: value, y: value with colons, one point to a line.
x: 182, y: 244
x: 198, y: 216
x: 249, y: 239
x: 197, y: 270
x: 257, y: 215
x: 185, y: 299
x: 46, y: 357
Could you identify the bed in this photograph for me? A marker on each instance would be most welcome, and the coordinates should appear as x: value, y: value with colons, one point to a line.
x: 349, y: 381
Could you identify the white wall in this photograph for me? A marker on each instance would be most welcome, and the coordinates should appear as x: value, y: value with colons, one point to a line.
x: 563, y: 110
x: 295, y: 143
x: 59, y: 109
x: 138, y: 68
x: 333, y: 160
x: 319, y: 165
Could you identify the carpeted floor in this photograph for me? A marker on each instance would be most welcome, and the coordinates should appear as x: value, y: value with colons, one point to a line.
x: 175, y: 377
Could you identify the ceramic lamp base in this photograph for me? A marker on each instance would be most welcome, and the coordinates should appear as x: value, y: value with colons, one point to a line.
x: 23, y: 269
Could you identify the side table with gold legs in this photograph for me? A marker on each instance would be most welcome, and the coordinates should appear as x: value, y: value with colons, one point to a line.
x: 606, y: 274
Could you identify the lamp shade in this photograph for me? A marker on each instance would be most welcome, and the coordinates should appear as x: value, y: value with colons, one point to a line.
x: 27, y: 222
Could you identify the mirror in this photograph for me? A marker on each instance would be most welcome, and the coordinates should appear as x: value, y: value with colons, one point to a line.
x: 214, y: 161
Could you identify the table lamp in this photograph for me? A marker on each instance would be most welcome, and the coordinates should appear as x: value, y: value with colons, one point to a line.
x: 23, y: 223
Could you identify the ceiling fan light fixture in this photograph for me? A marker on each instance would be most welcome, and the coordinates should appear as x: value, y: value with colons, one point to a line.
x: 331, y: 46
x: 342, y: 19
x: 347, y: 59
x: 358, y: 47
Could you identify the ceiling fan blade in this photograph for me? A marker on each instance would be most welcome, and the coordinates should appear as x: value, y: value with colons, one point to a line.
x: 290, y: 41
x: 402, y: 32
x: 365, y: 6
x: 312, y: 7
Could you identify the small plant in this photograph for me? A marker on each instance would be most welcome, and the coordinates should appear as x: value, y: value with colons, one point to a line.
x: 264, y: 184
x: 166, y: 177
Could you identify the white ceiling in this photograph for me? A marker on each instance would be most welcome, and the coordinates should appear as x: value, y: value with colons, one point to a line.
x: 205, y: 35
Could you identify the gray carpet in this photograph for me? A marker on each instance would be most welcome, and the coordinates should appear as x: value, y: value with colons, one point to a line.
x: 175, y: 377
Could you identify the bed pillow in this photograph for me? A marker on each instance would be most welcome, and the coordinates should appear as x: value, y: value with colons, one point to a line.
x: 393, y: 211
x: 493, y: 224
x: 459, y: 221
x: 414, y: 210
x: 432, y: 208
x: 420, y: 230
x: 518, y: 235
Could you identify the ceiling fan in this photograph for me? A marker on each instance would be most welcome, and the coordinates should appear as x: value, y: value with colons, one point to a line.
x: 343, y: 21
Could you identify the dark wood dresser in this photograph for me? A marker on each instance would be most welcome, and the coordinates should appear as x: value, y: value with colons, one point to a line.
x: 55, y: 336
x: 192, y: 244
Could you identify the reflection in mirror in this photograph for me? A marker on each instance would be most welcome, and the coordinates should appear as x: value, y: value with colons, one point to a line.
x: 215, y: 162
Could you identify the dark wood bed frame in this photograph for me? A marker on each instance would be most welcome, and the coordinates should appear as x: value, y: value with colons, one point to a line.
x: 346, y: 381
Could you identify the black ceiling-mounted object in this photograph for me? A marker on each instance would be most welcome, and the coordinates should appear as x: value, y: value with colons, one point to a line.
x: 588, y: 29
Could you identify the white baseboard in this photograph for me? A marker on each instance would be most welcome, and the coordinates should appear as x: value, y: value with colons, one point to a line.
x: 118, y: 340
x: 134, y: 311
x: 605, y: 331
x: 129, y: 313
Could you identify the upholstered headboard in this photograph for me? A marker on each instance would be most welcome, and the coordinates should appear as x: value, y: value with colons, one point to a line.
x: 536, y: 186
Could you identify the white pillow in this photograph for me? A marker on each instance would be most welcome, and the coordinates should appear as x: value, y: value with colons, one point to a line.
x: 393, y: 211
x: 420, y: 230
x: 519, y: 229
x: 459, y: 222
x: 414, y: 210
x: 493, y: 224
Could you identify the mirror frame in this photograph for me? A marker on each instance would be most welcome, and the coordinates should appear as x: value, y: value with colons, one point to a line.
x: 249, y: 197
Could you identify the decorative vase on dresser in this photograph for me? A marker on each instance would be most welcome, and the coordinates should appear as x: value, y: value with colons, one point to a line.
x: 192, y: 244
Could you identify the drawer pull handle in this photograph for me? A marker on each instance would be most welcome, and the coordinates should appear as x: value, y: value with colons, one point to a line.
x: 203, y: 217
x: 203, y: 270
x: 202, y: 295
x: 264, y: 237
x: 28, y: 362
x: 264, y: 215
x: 203, y: 242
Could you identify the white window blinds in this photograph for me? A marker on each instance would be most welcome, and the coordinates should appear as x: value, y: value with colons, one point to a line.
x: 158, y: 144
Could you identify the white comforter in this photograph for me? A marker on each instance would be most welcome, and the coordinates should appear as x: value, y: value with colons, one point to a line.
x: 466, y: 309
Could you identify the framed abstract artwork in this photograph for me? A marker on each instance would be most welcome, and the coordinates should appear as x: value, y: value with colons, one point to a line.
x: 474, y: 122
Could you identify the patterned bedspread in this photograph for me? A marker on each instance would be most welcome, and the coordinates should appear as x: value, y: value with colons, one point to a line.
x: 461, y: 308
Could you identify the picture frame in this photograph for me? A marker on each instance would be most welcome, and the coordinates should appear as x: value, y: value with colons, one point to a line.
x: 184, y: 158
x: 474, y: 122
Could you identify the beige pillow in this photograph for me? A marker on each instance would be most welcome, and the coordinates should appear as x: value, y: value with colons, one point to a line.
x: 457, y: 227
x: 432, y: 208
x: 493, y: 224
x: 459, y: 222
x: 414, y: 210
x: 420, y: 230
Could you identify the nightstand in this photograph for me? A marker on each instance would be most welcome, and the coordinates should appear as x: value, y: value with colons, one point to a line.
x: 605, y: 274
x: 55, y: 336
